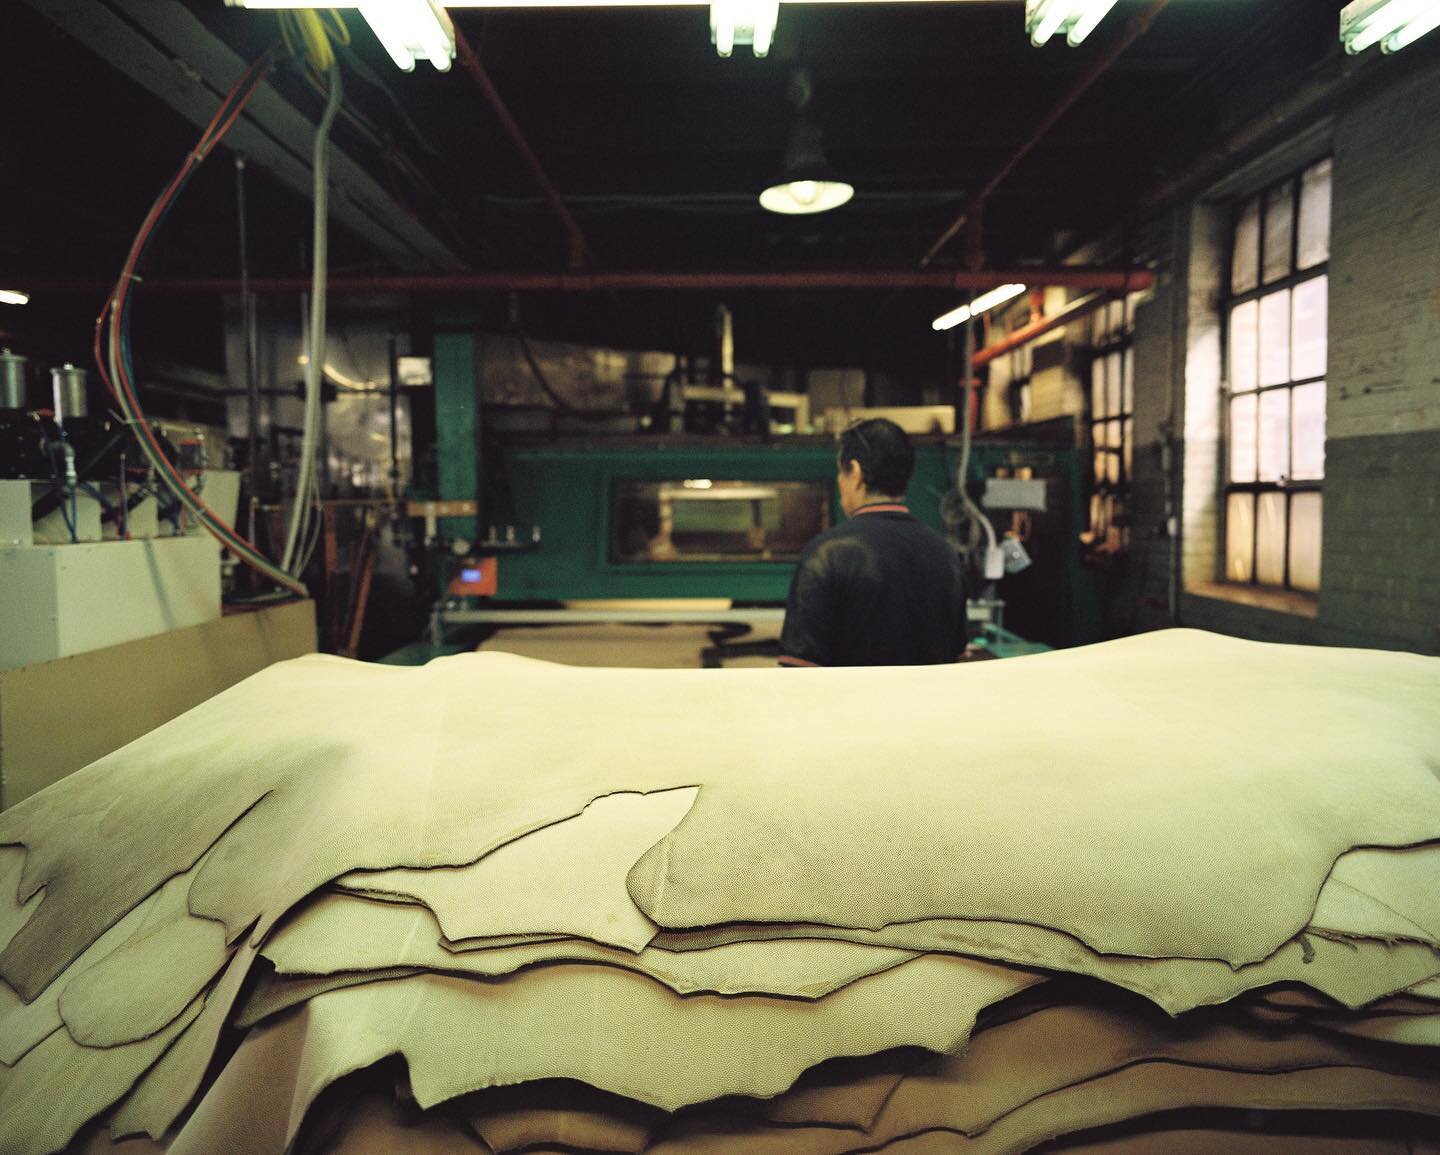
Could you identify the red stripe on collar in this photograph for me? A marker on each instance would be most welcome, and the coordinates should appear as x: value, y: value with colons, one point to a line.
x: 787, y: 660
x: 884, y: 507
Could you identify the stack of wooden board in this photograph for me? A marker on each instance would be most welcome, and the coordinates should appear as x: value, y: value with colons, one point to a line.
x: 1176, y: 892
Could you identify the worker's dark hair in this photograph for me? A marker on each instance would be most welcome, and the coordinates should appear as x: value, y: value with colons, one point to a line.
x: 886, y: 457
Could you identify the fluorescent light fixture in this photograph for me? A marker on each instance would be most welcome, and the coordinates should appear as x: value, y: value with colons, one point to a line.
x: 749, y: 22
x: 1392, y: 24
x: 980, y: 304
x: 797, y: 197
x: 1076, y: 18
x: 409, y: 30
x: 697, y: 483
x: 13, y: 297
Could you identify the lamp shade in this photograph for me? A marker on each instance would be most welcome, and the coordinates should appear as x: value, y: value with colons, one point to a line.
x: 807, y: 184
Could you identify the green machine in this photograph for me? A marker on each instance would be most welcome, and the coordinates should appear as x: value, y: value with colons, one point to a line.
x: 640, y: 517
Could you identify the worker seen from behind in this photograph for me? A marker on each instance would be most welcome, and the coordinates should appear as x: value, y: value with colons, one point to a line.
x: 882, y: 588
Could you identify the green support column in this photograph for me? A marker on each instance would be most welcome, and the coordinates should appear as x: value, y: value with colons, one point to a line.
x: 456, y: 412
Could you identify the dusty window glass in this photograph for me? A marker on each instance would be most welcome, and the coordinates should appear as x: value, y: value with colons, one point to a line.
x: 1240, y: 537
x: 1314, y: 240
x: 1273, y: 460
x: 1307, y: 432
x: 1244, y: 346
x: 1305, y: 532
x: 1242, y: 438
x: 1308, y: 328
x: 1279, y: 230
x: 1097, y: 388
x: 1245, y: 251
x: 709, y: 520
x: 1113, y: 364
x: 1129, y: 447
x: 1127, y: 379
x: 1275, y: 338
x: 1270, y: 539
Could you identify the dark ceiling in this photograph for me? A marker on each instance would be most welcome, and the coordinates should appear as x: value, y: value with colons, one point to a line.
x: 661, y: 148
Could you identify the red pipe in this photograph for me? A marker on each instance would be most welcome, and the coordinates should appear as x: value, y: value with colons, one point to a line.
x: 973, y: 213
x: 1063, y: 276
x: 1071, y: 312
x: 579, y: 254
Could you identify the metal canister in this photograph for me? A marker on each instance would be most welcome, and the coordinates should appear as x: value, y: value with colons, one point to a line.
x: 12, y: 380
x: 69, y: 385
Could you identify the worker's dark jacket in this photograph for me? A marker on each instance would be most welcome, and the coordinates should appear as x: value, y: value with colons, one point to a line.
x: 881, y: 589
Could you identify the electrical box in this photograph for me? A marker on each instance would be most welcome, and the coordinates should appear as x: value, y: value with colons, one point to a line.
x: 1014, y: 493
x: 66, y: 599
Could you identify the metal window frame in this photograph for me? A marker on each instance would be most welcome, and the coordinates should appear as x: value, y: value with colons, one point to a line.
x: 1120, y: 343
x: 1230, y: 299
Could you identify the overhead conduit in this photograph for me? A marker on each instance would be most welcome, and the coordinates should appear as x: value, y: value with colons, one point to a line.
x: 579, y: 253
x: 1064, y: 276
x: 973, y: 214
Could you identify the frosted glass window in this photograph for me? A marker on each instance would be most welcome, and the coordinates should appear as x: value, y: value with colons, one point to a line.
x: 1113, y: 366
x: 1274, y: 455
x: 1099, y: 466
x: 1305, y: 542
x: 1308, y: 328
x: 1314, y: 244
x: 1275, y: 338
x: 1242, y: 438
x: 1279, y: 230
x: 1097, y: 387
x: 1129, y: 447
x: 1244, y: 346
x: 1245, y: 253
x: 1239, y: 537
x: 1116, y: 317
x: 1270, y: 540
x: 1112, y: 468
x: 1127, y: 382
x: 1307, y: 432
x: 1112, y: 434
x: 1097, y: 515
x: 1305, y: 532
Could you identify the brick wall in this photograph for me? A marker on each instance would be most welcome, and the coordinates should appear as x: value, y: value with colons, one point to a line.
x: 1380, y: 579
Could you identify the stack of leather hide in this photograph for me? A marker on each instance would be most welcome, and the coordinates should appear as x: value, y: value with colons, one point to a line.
x: 1177, y: 892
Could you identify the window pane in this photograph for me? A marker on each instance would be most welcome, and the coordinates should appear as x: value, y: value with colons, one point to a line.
x: 1097, y: 515
x: 1112, y: 467
x: 1127, y: 389
x: 1315, y: 215
x: 1279, y: 230
x: 1274, y: 455
x: 1097, y: 387
x: 1129, y: 448
x: 1113, y: 366
x: 1239, y: 536
x: 1099, y: 458
x: 1308, y: 328
x: 1244, y: 346
x: 1305, y: 509
x: 1245, y: 253
x: 1112, y: 434
x: 1242, y: 438
x: 1275, y: 338
x: 1270, y: 540
x: 1115, y: 312
x: 717, y: 521
x: 1307, y: 432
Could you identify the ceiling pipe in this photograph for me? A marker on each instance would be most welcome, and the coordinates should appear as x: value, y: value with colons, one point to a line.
x: 1038, y: 328
x: 1064, y: 276
x: 579, y: 255
x: 973, y: 215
